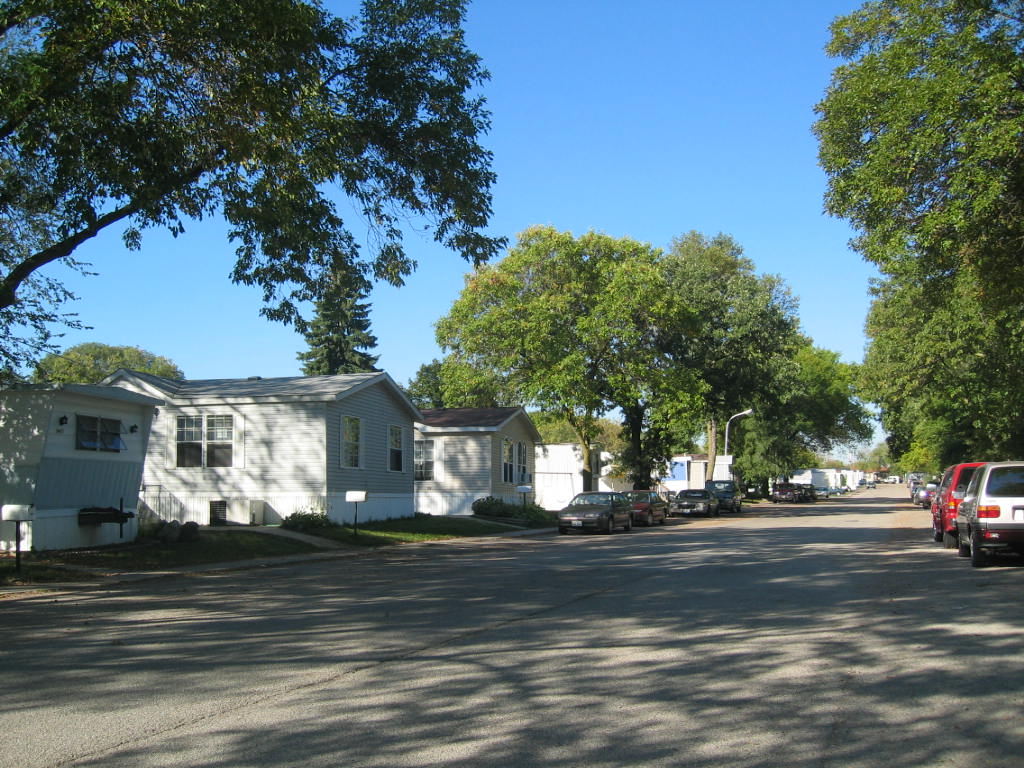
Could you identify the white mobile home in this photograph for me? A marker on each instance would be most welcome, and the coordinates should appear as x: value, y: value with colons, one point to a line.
x: 255, y: 450
x: 71, y: 462
x: 465, y: 454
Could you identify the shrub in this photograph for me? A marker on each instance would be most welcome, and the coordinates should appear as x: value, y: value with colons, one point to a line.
x: 532, y: 514
x: 305, y: 521
x: 490, y: 506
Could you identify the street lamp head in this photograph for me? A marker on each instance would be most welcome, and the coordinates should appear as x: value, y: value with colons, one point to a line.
x: 746, y: 412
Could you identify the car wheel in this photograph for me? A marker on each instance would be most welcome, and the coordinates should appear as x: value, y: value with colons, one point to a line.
x: 611, y: 524
x: 979, y: 557
x: 650, y: 520
x: 963, y: 548
x: 664, y: 519
x: 629, y: 524
x: 937, y: 534
x: 949, y: 540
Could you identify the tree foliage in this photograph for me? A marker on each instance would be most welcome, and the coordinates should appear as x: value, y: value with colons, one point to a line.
x: 576, y: 326
x: 92, y: 362
x: 339, y: 336
x: 147, y: 113
x: 747, y: 336
x: 920, y: 137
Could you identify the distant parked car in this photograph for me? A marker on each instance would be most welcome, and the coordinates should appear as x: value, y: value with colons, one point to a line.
x: 823, y: 491
x: 947, y: 500
x: 696, y: 501
x: 807, y: 492
x: 649, y: 507
x: 991, y: 515
x: 729, y: 496
x: 596, y: 510
x: 785, y: 492
x: 924, y: 494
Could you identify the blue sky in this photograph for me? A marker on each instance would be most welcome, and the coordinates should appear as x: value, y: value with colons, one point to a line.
x: 646, y: 120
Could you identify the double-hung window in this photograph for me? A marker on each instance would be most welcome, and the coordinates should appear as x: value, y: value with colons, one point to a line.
x: 508, y: 459
x: 351, y: 442
x: 423, y: 458
x: 396, y: 454
x: 205, y: 441
x: 95, y: 434
x: 521, y: 465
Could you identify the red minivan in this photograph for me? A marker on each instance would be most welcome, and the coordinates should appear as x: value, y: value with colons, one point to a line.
x: 947, y: 499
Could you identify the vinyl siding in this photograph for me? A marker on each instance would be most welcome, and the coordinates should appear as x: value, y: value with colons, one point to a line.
x: 277, y: 448
x: 377, y: 409
x: 470, y: 468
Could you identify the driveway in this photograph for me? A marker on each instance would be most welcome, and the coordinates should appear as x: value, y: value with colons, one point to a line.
x: 834, y: 634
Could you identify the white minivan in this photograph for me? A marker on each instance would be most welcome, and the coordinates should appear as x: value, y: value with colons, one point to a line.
x: 991, y: 514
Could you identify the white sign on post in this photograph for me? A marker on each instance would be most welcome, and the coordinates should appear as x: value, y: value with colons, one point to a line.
x: 355, y: 496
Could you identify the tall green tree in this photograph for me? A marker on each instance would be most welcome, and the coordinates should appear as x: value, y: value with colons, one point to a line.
x: 748, y: 331
x: 339, y: 336
x: 574, y: 326
x: 91, y: 362
x: 149, y: 113
x: 920, y: 137
x: 425, y: 389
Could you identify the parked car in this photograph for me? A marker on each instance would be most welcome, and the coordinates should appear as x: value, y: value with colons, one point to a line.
x: 947, y: 499
x: 596, y: 510
x: 696, y: 501
x: 785, y: 492
x: 991, y: 514
x: 823, y: 491
x: 924, y: 494
x: 729, y: 496
x: 807, y: 492
x: 648, y: 507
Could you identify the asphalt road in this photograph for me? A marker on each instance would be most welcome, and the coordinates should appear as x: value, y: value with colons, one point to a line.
x: 833, y: 634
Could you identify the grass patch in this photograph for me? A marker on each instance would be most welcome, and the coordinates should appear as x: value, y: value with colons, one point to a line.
x: 225, y: 547
x: 212, y: 547
x: 408, y: 530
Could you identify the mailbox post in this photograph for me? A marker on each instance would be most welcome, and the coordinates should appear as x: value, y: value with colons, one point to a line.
x: 355, y: 497
x: 524, y: 489
x: 19, y: 514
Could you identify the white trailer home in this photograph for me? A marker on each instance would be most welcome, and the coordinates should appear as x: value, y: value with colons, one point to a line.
x: 255, y: 450
x: 71, y: 463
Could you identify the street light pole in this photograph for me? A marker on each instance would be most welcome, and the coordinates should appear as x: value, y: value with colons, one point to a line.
x: 729, y: 422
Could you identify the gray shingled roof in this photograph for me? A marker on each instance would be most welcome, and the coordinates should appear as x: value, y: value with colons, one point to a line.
x: 467, y: 417
x: 310, y: 388
x: 287, y: 386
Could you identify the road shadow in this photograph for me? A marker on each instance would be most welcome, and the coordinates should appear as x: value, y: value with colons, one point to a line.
x: 808, y: 637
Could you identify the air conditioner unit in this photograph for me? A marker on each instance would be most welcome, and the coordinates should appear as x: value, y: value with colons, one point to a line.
x: 525, y: 477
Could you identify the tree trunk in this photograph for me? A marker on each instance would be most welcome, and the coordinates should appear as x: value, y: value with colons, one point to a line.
x: 712, y: 447
x: 587, y: 474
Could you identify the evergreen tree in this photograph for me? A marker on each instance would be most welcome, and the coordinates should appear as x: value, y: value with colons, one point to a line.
x: 339, y: 335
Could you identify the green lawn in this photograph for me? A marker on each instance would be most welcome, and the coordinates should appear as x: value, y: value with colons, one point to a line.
x: 221, y: 547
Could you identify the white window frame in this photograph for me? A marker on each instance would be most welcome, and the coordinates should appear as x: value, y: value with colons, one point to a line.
x: 346, y: 443
x: 508, y: 461
x: 420, y: 458
x: 522, y: 463
x: 210, y: 430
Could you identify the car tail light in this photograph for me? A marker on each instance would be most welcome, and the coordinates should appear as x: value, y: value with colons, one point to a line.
x: 988, y: 511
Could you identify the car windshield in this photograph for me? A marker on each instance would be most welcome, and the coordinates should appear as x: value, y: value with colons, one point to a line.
x: 1006, y: 481
x: 721, y: 485
x: 637, y: 495
x: 694, y: 494
x: 588, y: 499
